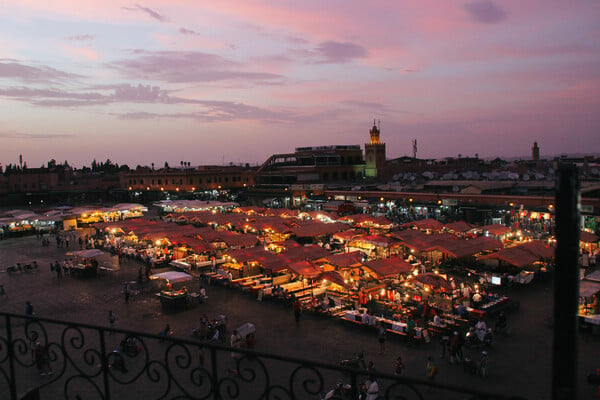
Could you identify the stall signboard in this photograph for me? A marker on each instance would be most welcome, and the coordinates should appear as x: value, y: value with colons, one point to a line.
x: 449, y: 202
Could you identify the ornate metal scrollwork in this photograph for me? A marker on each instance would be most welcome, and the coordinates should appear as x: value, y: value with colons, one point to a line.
x: 75, y: 362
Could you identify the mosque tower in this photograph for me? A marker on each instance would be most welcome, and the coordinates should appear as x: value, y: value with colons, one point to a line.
x: 374, y: 154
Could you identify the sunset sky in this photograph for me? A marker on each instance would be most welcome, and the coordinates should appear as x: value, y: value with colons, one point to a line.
x: 236, y: 81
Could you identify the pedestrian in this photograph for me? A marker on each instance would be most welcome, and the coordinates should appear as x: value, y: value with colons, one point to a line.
x: 111, y: 321
x: 297, y: 310
x: 165, y: 332
x: 3, y: 292
x: 431, y: 368
x: 235, y: 342
x: 80, y: 240
x: 372, y: 388
x: 381, y: 334
x: 399, y: 367
x: 454, y: 343
x: 28, y: 308
x: 444, y: 343
x: 126, y: 291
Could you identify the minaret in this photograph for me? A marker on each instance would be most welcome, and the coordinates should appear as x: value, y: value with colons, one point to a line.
x: 535, y: 152
x: 374, y: 154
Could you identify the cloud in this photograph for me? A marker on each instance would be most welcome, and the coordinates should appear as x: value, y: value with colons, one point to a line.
x: 21, y: 135
x: 81, y: 38
x: 485, y: 11
x: 219, y: 111
x: 27, y: 73
x: 185, y: 31
x: 331, y: 52
x: 186, y: 66
x: 123, y: 93
x: 153, y: 14
x: 365, y: 105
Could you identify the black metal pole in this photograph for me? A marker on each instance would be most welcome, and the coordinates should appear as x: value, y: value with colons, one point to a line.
x: 566, y: 285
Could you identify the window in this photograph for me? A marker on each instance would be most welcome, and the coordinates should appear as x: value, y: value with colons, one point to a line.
x: 160, y: 181
x: 141, y: 181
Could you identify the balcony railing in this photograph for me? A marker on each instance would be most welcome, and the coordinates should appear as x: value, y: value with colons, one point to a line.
x: 45, y: 358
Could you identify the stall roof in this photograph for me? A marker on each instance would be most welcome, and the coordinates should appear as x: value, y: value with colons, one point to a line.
x: 387, y: 267
x: 248, y: 254
x: 458, y: 226
x: 538, y: 248
x: 465, y: 248
x: 305, y: 268
x: 496, y: 229
x: 433, y: 280
x: 428, y: 223
x: 315, y: 228
x: 173, y: 276
x: 588, y: 288
x: 345, y: 260
x: 420, y: 241
x: 587, y: 237
x: 347, y: 234
x: 376, y: 240
x: 515, y: 256
x: 332, y: 276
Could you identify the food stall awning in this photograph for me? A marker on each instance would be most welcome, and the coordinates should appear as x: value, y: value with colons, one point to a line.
x: 588, y: 288
x: 465, y: 248
x: 173, y: 276
x: 345, y: 260
x: 87, y: 253
x: 304, y: 268
x: 458, y: 226
x: 314, y: 228
x: 587, y: 237
x: 388, y: 267
x: 332, y: 276
x: 538, y: 248
x: 496, y: 229
x: 427, y: 224
x: 433, y: 280
x: 514, y: 256
x: 376, y: 240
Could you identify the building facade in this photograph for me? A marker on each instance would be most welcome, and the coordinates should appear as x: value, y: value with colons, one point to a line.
x: 188, y: 179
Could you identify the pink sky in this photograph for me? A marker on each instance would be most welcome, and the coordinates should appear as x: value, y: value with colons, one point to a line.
x: 236, y: 81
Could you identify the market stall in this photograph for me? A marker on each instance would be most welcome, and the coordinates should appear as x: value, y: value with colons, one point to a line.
x: 170, y: 296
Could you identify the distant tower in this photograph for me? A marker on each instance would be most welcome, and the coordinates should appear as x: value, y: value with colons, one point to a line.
x: 535, y: 152
x: 415, y: 149
x: 374, y: 154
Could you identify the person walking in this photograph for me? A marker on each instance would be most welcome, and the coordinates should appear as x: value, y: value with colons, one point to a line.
x: 381, y: 335
x: 297, y: 310
x: 126, y: 291
x: 3, y: 292
x: 431, y: 368
x: 372, y: 388
x: 28, y: 308
x: 111, y: 321
x: 399, y: 367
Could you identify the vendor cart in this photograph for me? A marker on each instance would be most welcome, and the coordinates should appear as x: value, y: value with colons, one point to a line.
x: 247, y: 333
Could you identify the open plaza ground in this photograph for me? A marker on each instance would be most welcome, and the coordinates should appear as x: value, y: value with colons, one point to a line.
x: 519, y: 364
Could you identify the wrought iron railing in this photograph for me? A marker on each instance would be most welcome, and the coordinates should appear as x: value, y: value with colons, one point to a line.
x: 45, y: 358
